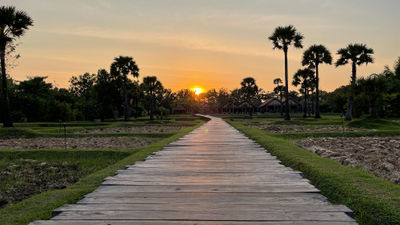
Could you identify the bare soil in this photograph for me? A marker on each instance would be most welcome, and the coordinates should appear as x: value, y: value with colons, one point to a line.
x: 74, y: 143
x: 280, y: 129
x: 25, y: 178
x: 376, y: 155
x: 134, y: 129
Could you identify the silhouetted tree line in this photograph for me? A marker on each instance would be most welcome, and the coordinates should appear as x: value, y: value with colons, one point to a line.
x: 119, y: 92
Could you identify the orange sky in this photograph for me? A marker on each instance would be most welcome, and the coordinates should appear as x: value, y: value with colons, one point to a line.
x: 208, y: 44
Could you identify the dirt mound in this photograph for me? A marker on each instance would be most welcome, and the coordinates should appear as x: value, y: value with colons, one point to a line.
x: 281, y: 129
x: 134, y: 129
x: 34, y: 177
x: 74, y: 143
x: 376, y: 155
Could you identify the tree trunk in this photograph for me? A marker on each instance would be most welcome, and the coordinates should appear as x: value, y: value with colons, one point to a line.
x: 287, y: 110
x: 317, y: 114
x: 125, y: 101
x: 312, y: 102
x: 351, y: 96
x: 6, y: 105
x: 280, y: 93
x: 305, y: 103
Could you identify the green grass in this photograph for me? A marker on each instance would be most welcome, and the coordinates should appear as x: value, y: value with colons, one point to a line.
x: 93, y: 162
x: 373, y: 200
x: 377, y: 124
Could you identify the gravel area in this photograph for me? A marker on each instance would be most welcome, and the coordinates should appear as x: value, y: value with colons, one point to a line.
x: 74, y: 143
x: 376, y: 155
x: 134, y: 129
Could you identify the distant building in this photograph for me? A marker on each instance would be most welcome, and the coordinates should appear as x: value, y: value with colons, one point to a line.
x: 179, y: 109
x: 274, y: 105
x: 271, y: 105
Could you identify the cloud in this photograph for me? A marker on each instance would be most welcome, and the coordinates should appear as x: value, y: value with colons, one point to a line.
x: 176, y: 40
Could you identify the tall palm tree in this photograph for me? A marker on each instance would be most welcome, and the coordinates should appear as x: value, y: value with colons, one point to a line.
x: 357, y: 54
x: 122, y: 67
x: 151, y: 86
x: 305, y: 78
x: 282, y: 38
x: 13, y: 24
x: 312, y: 57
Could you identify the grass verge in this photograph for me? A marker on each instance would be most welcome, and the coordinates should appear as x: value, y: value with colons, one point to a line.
x: 40, y: 206
x: 373, y: 200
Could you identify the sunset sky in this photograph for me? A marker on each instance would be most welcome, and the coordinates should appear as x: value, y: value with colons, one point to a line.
x: 203, y: 43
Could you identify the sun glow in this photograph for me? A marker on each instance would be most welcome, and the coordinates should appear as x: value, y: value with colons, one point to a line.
x: 197, y: 90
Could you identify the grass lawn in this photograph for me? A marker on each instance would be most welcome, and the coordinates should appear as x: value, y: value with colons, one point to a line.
x: 50, y: 178
x: 373, y: 200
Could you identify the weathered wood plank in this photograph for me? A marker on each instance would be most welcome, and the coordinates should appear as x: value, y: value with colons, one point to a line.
x: 206, y: 207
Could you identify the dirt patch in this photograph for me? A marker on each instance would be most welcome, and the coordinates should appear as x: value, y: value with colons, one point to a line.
x: 134, y: 129
x: 281, y: 129
x: 25, y: 177
x: 375, y: 155
x: 74, y: 143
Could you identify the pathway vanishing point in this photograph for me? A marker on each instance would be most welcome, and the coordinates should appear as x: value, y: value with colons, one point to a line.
x: 212, y: 176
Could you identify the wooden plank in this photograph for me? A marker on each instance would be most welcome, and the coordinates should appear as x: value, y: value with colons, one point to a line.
x: 199, y: 216
x: 206, y: 207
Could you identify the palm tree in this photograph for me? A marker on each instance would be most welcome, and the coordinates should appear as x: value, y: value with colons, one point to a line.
x: 122, y: 67
x: 312, y: 57
x: 13, y: 24
x: 358, y: 54
x: 151, y: 86
x: 305, y: 77
x: 282, y: 38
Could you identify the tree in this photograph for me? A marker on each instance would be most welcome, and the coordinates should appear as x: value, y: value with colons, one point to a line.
x: 282, y: 38
x: 249, y: 91
x: 81, y: 85
x: 187, y: 99
x: 279, y: 89
x: 305, y: 78
x: 167, y: 99
x: 397, y: 68
x: 357, y: 54
x: 151, y: 87
x: 373, y: 87
x: 222, y: 99
x: 211, y: 100
x: 122, y: 67
x: 107, y: 94
x: 13, y: 24
x: 313, y: 57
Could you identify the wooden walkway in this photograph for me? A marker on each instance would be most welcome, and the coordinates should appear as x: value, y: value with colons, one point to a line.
x: 212, y: 176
